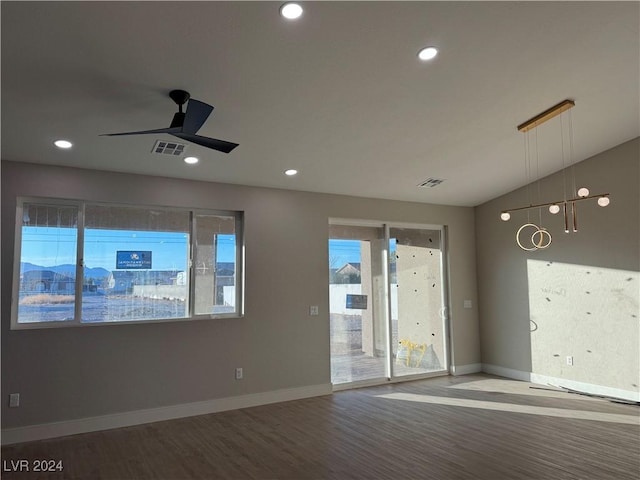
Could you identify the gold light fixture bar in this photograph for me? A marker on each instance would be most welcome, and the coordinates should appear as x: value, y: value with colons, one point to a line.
x: 546, y: 115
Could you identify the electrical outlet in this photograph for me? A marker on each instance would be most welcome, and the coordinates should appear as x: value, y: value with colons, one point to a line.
x: 14, y: 399
x: 569, y: 360
x: 239, y: 373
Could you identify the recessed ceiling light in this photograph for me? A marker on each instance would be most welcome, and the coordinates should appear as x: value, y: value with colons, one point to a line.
x: 190, y: 160
x: 290, y: 172
x: 427, y: 53
x: 63, y: 144
x: 291, y: 11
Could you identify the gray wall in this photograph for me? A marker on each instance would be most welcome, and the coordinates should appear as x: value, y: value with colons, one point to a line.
x: 70, y: 373
x: 579, y: 297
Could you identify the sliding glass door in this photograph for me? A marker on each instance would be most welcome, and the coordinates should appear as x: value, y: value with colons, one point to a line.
x: 357, y: 289
x: 387, y: 302
x: 418, y: 312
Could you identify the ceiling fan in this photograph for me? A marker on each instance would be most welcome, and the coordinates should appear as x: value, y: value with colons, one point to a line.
x: 185, y: 125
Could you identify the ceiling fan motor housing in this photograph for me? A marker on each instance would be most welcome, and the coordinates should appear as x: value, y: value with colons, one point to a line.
x: 179, y: 96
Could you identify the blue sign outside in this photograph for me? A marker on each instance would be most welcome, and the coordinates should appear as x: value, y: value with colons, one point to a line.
x: 128, y: 260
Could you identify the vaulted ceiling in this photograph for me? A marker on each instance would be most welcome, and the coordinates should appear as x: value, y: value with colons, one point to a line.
x: 338, y: 94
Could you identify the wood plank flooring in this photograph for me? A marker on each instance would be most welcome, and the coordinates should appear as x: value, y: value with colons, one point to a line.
x: 438, y: 429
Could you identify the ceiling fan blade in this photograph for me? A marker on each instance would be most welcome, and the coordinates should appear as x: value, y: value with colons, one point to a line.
x: 143, y: 132
x: 213, y: 143
x: 197, y: 113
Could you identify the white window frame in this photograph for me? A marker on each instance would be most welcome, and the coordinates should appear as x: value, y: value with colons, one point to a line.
x: 80, y: 205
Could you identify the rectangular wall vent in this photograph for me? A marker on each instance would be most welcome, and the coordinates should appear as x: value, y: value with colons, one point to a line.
x: 431, y: 182
x: 169, y: 148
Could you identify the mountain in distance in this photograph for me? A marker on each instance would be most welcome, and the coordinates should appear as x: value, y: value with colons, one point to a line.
x: 66, y: 269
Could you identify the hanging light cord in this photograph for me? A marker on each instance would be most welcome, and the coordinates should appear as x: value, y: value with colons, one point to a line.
x: 526, y: 171
x: 564, y: 169
x: 538, y: 179
x: 573, y: 169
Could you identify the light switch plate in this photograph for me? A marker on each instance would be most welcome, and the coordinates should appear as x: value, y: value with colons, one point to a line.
x: 313, y: 310
x: 467, y: 304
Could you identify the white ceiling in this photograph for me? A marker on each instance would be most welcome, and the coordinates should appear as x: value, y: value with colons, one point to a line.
x: 339, y: 94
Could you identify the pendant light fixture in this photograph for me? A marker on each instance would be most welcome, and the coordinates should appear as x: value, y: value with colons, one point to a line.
x: 533, y: 236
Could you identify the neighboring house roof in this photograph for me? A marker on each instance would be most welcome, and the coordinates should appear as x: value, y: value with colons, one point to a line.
x: 348, y: 268
x: 355, y: 267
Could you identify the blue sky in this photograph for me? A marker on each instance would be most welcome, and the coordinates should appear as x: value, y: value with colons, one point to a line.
x: 57, y: 246
x: 343, y: 251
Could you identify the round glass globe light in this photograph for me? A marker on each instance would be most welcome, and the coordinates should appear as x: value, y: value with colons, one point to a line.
x: 554, y: 209
x: 603, y: 201
x: 504, y: 216
x: 583, y: 192
x: 291, y: 11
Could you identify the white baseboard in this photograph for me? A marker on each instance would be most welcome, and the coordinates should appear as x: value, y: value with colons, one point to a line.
x: 586, y: 387
x: 105, y: 422
x: 561, y: 382
x: 466, y: 369
x: 506, y: 372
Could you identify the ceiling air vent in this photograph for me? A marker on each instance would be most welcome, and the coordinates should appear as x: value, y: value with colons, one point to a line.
x: 169, y: 148
x: 431, y: 182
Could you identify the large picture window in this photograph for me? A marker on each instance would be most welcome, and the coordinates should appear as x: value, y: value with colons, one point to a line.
x: 84, y: 263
